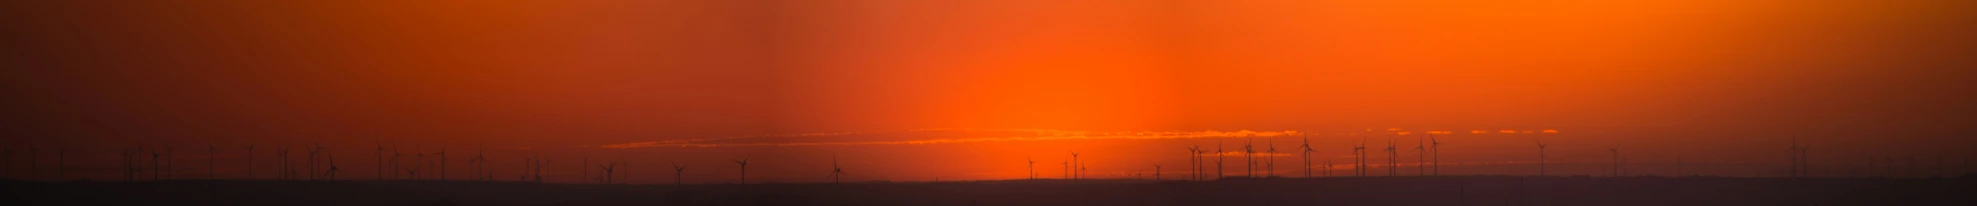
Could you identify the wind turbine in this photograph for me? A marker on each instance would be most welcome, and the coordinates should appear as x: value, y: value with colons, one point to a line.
x: 1067, y: 168
x: 678, y: 179
x: 154, y: 165
x: 1156, y: 172
x: 1271, y: 169
x: 395, y: 164
x: 1218, y: 159
x: 1436, y: 149
x: 1306, y: 148
x: 837, y: 172
x: 608, y: 169
x: 442, y: 163
x: 332, y: 166
x: 1420, y: 156
x: 1616, y: 159
x: 528, y: 168
x: 1393, y: 167
x: 312, y: 159
x: 744, y: 168
x: 1541, y: 157
x: 282, y: 169
x: 1359, y: 158
x: 480, y: 162
x: 1033, y: 165
x: 1076, y: 174
x: 121, y: 153
x: 418, y: 159
x: 1249, y: 156
x: 1793, y: 155
x: 1328, y: 168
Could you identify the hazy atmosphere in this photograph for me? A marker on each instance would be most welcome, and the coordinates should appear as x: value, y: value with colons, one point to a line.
x: 914, y: 90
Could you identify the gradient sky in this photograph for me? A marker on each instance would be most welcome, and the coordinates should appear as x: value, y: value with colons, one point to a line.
x: 912, y: 90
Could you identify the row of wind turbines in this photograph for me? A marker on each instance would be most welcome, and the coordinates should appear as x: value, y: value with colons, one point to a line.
x: 320, y: 164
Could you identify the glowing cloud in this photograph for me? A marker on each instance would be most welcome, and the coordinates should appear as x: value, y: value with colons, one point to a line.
x: 1036, y: 135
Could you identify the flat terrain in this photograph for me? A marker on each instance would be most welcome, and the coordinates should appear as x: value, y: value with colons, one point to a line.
x: 1470, y: 190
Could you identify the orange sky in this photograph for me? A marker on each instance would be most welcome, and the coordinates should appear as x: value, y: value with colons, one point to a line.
x: 910, y: 90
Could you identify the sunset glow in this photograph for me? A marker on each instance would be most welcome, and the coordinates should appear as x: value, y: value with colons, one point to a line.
x: 913, y: 90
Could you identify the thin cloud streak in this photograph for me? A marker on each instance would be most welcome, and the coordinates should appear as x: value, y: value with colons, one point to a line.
x: 1040, y: 135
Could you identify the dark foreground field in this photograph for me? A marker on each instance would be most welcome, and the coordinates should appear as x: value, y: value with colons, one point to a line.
x: 1322, y: 191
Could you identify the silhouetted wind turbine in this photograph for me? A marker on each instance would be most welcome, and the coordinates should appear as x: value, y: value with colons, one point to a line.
x: 1393, y: 167
x: 744, y: 168
x: 442, y: 163
x: 395, y: 164
x: 121, y: 153
x: 332, y: 166
x: 313, y: 159
x: 480, y: 162
x: 1435, y: 147
x: 678, y: 179
x: 1420, y: 156
x: 1156, y: 172
x: 1616, y: 159
x: 420, y: 157
x: 528, y: 168
x: 1249, y: 157
x: 1076, y: 174
x: 608, y: 169
x: 1032, y: 161
x: 1541, y: 157
x: 836, y: 171
x: 1218, y: 159
x: 1306, y: 148
x: 1328, y: 169
x: 1067, y: 168
x: 1792, y: 156
x: 1359, y: 158
x: 154, y: 165
x: 1271, y: 169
